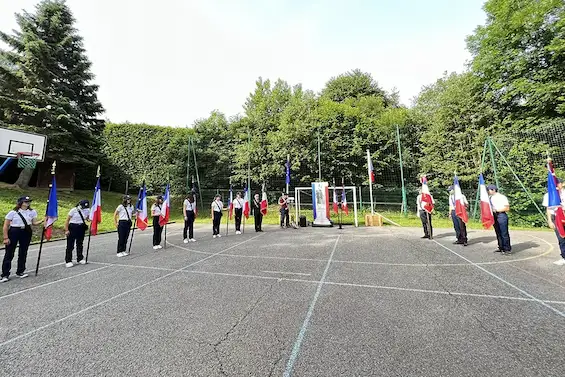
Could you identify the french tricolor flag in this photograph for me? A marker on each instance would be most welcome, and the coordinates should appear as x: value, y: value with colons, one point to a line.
x: 166, y: 211
x: 487, y: 216
x: 246, y: 203
x: 460, y: 208
x: 52, y: 210
x: 426, y: 196
x: 264, y: 204
x: 335, y: 205
x: 230, y: 202
x: 141, y: 208
x: 370, y: 168
x: 554, y: 199
x: 344, y: 201
x: 95, y: 210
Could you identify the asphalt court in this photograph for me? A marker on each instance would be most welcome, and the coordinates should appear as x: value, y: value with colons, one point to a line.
x: 307, y: 302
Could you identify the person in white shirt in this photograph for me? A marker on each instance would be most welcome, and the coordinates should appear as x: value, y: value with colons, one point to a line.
x: 188, y: 208
x: 216, y: 209
x: 75, y: 227
x: 551, y: 220
x: 156, y: 209
x: 238, y: 209
x: 425, y: 216
x: 500, y: 208
x: 459, y: 225
x: 123, y: 219
x: 17, y: 231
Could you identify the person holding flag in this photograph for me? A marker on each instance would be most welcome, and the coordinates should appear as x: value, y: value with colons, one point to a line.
x: 75, y: 228
x: 17, y: 231
x: 156, y: 210
x: 460, y: 204
x: 123, y: 216
x: 344, y: 199
x: 283, y: 209
x: 257, y: 212
x: 554, y: 200
x: 500, y: 207
x: 237, y: 207
x: 425, y: 205
x: 335, y: 204
x: 188, y: 209
x: 452, y: 214
x: 95, y: 215
x: 216, y: 209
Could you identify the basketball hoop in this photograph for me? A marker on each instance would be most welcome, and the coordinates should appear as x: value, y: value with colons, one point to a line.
x: 27, y: 160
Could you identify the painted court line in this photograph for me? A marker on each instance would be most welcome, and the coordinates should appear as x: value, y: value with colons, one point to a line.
x: 286, y: 273
x: 116, y: 296
x: 562, y: 314
x: 298, y: 343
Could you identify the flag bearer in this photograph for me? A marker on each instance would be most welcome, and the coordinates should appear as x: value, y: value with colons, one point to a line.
x: 458, y: 223
x: 424, y: 214
x: 156, y: 209
x: 500, y: 208
x: 452, y: 213
x: 283, y: 208
x: 238, y: 209
x: 123, y: 217
x: 256, y: 209
x: 188, y: 212
x: 551, y: 220
x: 75, y: 227
x: 216, y: 208
x: 17, y: 230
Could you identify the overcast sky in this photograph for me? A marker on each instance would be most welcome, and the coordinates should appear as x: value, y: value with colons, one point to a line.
x: 170, y: 62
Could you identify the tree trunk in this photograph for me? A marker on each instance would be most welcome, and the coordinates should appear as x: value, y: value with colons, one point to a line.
x: 24, y: 178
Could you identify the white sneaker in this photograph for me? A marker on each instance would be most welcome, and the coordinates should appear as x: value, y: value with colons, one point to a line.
x: 159, y: 246
x: 214, y: 236
x: 21, y: 276
x: 4, y: 279
x: 560, y: 262
x: 219, y: 235
x: 82, y: 261
x: 237, y: 232
x: 68, y: 265
x: 155, y: 247
x: 185, y: 240
x: 192, y: 240
x: 122, y: 254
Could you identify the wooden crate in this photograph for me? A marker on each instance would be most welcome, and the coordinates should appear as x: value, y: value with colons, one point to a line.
x: 373, y: 220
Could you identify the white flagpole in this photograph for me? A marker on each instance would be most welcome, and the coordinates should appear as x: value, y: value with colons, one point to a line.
x: 370, y: 183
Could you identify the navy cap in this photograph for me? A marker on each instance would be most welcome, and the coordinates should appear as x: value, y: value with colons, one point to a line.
x: 127, y: 197
x: 84, y: 203
x: 24, y: 199
x: 159, y: 197
x: 492, y: 187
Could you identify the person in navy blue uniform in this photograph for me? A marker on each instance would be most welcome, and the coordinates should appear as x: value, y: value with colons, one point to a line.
x: 17, y: 231
x: 75, y: 228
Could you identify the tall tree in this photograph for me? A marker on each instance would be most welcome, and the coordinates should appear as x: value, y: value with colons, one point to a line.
x: 45, y: 85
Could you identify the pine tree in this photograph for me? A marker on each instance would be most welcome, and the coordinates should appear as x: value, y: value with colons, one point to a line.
x: 45, y: 85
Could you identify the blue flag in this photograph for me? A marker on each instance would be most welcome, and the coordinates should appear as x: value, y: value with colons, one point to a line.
x: 51, y: 212
x: 287, y: 172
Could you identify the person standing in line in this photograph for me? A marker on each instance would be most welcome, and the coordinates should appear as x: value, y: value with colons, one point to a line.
x: 216, y: 209
x: 238, y: 209
x: 17, y: 231
x: 452, y: 213
x: 123, y: 220
x: 550, y: 212
x: 425, y: 216
x: 500, y: 209
x: 75, y: 228
x: 283, y: 208
x: 188, y: 212
x: 156, y: 209
x: 257, y: 215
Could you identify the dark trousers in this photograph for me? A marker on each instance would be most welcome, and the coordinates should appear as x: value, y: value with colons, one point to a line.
x: 76, y: 235
x: 462, y: 231
x: 426, y: 219
x: 188, y: 225
x: 157, y: 231
x: 456, y: 226
x: 560, y: 239
x: 285, y: 217
x: 216, y: 222
x: 501, y: 230
x: 238, y: 213
x: 124, y: 227
x: 258, y: 220
x: 23, y: 238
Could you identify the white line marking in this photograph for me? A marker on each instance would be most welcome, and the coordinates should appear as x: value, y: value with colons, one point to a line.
x: 134, y: 266
x: 303, y: 329
x: 286, y: 273
x: 52, y: 282
x: 117, y: 296
x: 562, y: 314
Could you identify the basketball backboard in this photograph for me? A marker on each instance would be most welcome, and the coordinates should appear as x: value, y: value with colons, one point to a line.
x: 13, y: 142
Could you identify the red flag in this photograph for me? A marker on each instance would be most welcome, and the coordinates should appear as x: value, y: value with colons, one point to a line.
x: 166, y: 212
x: 460, y: 206
x: 246, y: 209
x: 555, y: 201
x: 264, y: 204
x: 426, y: 196
x: 335, y: 206
x: 487, y: 216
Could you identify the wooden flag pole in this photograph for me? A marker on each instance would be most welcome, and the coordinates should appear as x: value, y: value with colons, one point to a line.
x: 43, y: 227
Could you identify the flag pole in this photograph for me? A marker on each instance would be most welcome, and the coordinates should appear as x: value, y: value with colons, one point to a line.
x: 228, y: 214
x: 370, y: 183
x: 46, y: 210
x: 90, y: 227
x: 340, y: 216
x: 169, y: 198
